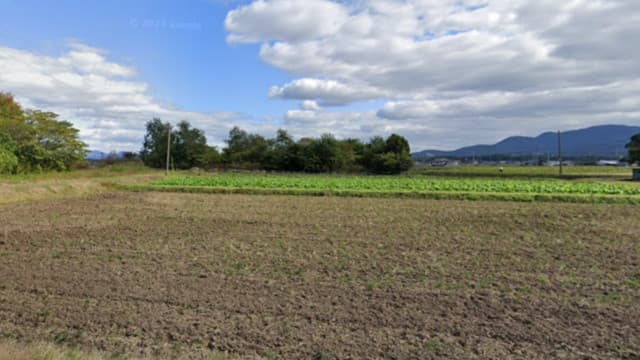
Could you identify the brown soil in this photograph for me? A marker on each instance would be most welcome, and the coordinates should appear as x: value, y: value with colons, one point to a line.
x: 300, y: 277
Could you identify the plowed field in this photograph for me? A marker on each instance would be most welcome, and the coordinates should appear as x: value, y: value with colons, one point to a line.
x: 322, y: 277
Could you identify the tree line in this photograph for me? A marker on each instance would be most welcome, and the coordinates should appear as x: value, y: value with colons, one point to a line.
x: 249, y: 151
x: 34, y: 140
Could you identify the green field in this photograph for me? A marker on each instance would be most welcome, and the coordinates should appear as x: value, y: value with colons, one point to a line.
x: 418, y: 186
x: 569, y: 172
x: 400, y: 184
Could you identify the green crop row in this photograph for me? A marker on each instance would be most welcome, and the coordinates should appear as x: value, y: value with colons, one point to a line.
x: 398, y: 184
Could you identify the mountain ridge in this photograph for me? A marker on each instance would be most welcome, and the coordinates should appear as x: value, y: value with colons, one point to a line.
x: 594, y: 141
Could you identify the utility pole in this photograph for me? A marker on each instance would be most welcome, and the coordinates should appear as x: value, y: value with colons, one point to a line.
x: 560, y: 152
x: 168, y: 147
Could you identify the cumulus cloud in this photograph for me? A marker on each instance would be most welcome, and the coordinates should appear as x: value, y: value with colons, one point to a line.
x: 309, y: 105
x: 444, y: 73
x: 92, y: 60
x: 447, y: 66
x: 303, y: 123
x: 297, y: 20
x: 329, y: 92
x: 99, y: 96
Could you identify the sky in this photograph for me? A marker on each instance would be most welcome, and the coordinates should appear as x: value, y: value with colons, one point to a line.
x: 443, y: 73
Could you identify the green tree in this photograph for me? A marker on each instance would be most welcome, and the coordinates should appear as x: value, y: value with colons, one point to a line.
x: 634, y: 149
x: 11, y: 117
x: 12, y: 123
x: 324, y: 154
x: 390, y: 156
x: 246, y: 150
x: 190, y: 146
x: 397, y: 144
x: 351, y: 153
x: 37, y: 139
x: 371, y: 155
x: 397, y: 158
x: 154, y: 147
x: 321, y: 155
x: 283, y: 153
x: 56, y: 146
x: 10, y: 110
x: 210, y: 158
x: 8, y: 158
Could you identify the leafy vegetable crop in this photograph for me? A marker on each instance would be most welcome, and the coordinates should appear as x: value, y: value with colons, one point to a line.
x: 398, y: 184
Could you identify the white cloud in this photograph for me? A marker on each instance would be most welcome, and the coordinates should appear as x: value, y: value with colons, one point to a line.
x: 92, y: 60
x: 446, y: 67
x: 330, y: 92
x: 304, y: 123
x: 298, y: 20
x: 447, y: 72
x: 97, y: 95
x: 309, y: 105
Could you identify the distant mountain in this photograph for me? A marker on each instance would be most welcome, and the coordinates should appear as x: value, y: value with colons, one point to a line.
x: 606, y: 141
x: 96, y: 155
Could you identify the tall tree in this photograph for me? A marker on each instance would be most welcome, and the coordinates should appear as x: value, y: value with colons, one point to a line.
x: 322, y: 155
x: 37, y: 139
x: 210, y: 159
x: 397, y: 144
x: 11, y: 117
x: 9, y: 108
x: 351, y: 151
x: 57, y: 144
x: 12, y: 122
x: 190, y: 146
x: 283, y: 154
x: 245, y: 150
x: 154, y: 147
x: 390, y: 156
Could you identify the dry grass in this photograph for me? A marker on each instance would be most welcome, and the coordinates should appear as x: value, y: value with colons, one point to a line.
x: 12, y: 191
x: 30, y: 191
x: 43, y: 351
x: 11, y: 350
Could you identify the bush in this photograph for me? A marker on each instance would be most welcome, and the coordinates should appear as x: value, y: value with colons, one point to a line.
x: 8, y: 161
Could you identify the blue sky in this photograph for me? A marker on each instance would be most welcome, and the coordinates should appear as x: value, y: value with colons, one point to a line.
x: 444, y: 73
x: 180, y: 51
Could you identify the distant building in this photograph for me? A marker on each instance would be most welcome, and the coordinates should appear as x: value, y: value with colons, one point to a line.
x: 442, y: 162
x: 611, y: 163
x: 439, y: 162
x: 557, y: 163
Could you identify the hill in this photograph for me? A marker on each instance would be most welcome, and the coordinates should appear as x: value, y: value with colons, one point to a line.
x: 605, y: 141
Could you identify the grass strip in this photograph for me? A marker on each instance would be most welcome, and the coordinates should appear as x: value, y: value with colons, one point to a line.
x: 436, y: 195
